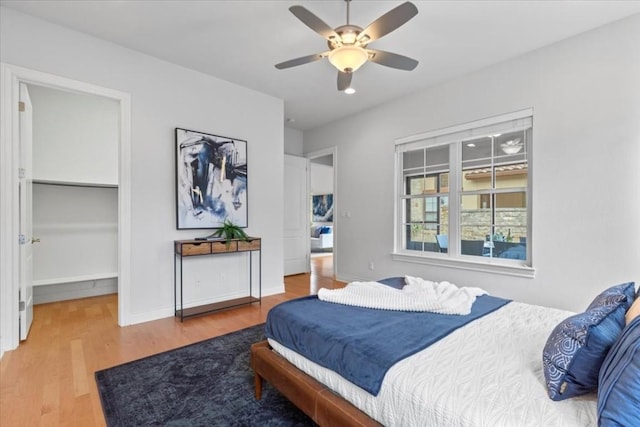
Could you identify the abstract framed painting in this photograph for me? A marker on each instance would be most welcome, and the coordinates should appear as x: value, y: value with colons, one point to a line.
x: 211, y: 180
x: 322, y: 207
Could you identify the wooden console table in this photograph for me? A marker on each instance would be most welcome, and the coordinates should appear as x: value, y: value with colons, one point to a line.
x: 189, y: 248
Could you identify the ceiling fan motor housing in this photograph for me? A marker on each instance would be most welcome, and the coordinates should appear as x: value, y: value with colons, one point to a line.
x: 348, y: 36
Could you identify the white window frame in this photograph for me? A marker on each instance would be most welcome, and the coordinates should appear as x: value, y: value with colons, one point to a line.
x: 453, y: 136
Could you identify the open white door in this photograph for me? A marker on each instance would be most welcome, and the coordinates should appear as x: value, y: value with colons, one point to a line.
x: 26, y: 214
x: 296, y: 216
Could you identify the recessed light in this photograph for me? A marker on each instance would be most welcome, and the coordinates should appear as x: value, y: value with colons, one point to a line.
x: 471, y: 144
x: 349, y: 91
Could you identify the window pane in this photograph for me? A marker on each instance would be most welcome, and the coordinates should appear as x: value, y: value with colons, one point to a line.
x: 427, y: 209
x: 476, y: 201
x: 431, y: 209
x: 413, y: 159
x: 510, y: 146
x: 472, y: 247
x: 415, y: 210
x: 476, y: 150
x: 475, y: 224
x: 509, y: 242
x: 437, y: 159
x: 477, y: 179
x: 423, y: 185
x: 510, y: 176
x: 511, y: 216
x: 444, y: 182
x: 421, y: 237
x: 476, y: 164
x: 444, y: 216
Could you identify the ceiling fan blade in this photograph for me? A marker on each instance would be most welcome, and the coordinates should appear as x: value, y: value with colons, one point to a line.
x: 388, y: 22
x: 344, y: 80
x: 392, y: 60
x: 313, y: 22
x: 300, y: 61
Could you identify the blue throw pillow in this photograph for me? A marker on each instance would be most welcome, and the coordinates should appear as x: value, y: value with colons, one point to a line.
x: 576, y: 348
x: 614, y: 294
x: 619, y: 382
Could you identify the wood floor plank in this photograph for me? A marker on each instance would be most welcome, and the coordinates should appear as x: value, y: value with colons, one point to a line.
x: 80, y: 382
x: 49, y: 379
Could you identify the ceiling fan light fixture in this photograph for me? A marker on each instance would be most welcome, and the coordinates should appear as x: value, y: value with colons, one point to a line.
x: 348, y: 58
x: 349, y: 91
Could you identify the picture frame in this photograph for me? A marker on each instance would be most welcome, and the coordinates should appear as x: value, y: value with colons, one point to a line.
x: 211, y: 180
x: 322, y: 207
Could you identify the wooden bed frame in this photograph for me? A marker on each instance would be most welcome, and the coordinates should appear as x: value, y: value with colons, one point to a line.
x: 313, y: 398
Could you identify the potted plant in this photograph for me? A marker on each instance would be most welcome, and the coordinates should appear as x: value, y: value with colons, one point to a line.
x: 230, y: 231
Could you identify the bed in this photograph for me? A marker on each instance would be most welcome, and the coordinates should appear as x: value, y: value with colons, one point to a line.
x: 488, y: 371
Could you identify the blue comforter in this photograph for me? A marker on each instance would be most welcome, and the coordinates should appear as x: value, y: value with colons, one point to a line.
x: 361, y: 344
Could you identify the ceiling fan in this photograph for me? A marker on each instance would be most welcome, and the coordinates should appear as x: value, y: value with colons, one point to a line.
x: 348, y: 43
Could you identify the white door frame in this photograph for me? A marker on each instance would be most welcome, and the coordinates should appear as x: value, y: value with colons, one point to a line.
x: 10, y: 77
x: 333, y: 151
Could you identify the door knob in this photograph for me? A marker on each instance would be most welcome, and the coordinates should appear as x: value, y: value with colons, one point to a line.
x: 34, y: 240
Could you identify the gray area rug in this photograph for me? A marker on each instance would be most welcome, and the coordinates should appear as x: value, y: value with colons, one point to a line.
x: 209, y: 383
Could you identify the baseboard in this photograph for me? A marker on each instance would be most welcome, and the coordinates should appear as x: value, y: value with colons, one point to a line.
x: 149, y: 316
x: 67, y: 291
x: 273, y: 290
x: 136, y: 318
x: 346, y: 278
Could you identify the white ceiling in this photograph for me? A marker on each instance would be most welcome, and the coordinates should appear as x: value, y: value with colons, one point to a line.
x: 240, y: 41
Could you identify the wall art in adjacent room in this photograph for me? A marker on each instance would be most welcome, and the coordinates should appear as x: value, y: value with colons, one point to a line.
x: 322, y: 206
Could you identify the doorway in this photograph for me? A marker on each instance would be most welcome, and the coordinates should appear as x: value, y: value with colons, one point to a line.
x: 74, y: 178
x: 10, y: 260
x: 323, y: 201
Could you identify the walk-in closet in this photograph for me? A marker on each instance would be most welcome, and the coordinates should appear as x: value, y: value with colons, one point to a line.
x: 75, y: 194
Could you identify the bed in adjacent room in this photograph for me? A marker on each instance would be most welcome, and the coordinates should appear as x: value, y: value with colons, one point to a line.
x: 485, y: 368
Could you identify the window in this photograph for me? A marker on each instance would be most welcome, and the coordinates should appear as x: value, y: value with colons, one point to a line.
x: 463, y: 193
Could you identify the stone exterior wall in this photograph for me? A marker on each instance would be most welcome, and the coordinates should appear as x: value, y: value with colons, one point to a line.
x: 512, y: 225
x: 511, y: 222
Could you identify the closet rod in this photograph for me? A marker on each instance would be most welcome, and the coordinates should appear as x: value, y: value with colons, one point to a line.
x: 73, y: 184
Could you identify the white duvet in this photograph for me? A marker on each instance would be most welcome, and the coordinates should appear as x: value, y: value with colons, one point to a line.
x: 417, y: 295
x: 487, y: 373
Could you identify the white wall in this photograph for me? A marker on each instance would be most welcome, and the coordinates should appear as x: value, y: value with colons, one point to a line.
x: 75, y: 136
x: 165, y: 96
x: 585, y: 92
x: 321, y: 178
x: 293, y: 142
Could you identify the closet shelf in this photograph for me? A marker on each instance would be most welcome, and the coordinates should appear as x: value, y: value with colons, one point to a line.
x: 86, y: 226
x: 74, y: 184
x: 75, y: 279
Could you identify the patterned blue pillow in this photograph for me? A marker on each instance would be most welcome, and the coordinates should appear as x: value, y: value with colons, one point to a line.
x: 576, y: 348
x: 613, y: 295
x: 619, y: 382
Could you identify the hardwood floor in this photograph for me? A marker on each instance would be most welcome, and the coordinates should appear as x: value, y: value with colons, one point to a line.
x: 49, y: 379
